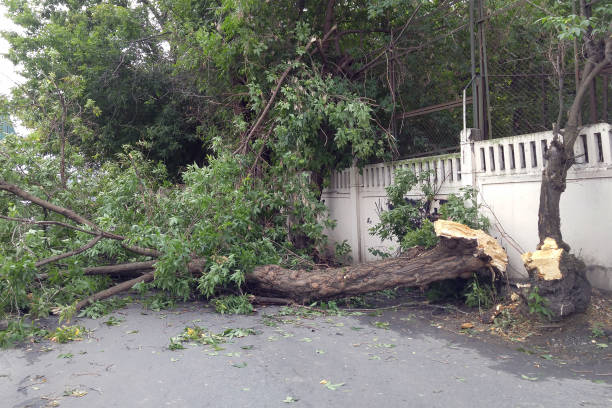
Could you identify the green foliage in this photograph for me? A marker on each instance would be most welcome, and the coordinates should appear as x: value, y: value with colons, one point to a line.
x: 159, y: 302
x: 537, y: 304
x: 233, y: 304
x: 403, y: 216
x: 19, y: 331
x: 301, y: 312
x: 113, y: 321
x: 572, y: 26
x: 16, y: 272
x: 342, y: 252
x: 597, y: 330
x: 329, y: 306
x: 103, y: 307
x: 478, y: 294
x: 65, y: 334
x: 200, y: 335
x: 221, y: 272
x: 65, y: 312
x: 220, y: 214
x: 381, y: 325
x: 464, y: 208
x: 171, y: 272
x: 388, y: 293
x: 409, y: 221
x: 424, y: 236
x: 379, y: 253
x: 101, y: 65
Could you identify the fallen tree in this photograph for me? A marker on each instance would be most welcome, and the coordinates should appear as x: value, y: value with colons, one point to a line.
x: 460, y: 253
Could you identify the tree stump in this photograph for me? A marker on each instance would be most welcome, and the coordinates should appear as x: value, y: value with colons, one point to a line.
x: 560, y: 278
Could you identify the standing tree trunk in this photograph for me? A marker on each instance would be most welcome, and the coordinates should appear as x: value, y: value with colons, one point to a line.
x: 560, y: 276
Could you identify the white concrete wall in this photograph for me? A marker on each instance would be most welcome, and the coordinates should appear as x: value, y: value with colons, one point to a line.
x: 355, y: 204
x: 509, y: 190
x: 507, y: 173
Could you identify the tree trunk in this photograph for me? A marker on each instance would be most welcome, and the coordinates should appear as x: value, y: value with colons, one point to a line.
x: 559, y: 276
x: 553, y: 185
x: 461, y: 252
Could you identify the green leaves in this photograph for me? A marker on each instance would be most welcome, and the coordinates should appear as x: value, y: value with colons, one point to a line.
x: 464, y: 208
x: 201, y: 335
x: 333, y: 387
x: 568, y: 27
x: 408, y: 220
x: 219, y: 274
x: 171, y: 273
x: 538, y: 304
x: 233, y: 305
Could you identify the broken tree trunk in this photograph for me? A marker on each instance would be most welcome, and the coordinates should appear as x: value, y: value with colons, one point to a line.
x: 460, y: 253
x: 560, y: 279
x: 560, y: 276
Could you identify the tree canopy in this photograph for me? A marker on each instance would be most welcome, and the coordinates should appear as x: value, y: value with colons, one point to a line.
x: 200, y: 129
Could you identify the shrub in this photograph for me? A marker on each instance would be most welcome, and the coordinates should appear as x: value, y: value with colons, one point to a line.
x: 410, y: 221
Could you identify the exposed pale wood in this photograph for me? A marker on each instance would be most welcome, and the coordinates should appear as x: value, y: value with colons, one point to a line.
x: 545, y: 261
x: 486, y: 243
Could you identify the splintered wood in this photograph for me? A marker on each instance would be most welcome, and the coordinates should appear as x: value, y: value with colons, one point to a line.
x: 486, y: 244
x: 545, y: 261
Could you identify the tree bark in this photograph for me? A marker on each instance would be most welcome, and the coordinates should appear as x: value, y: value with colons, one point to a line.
x: 459, y: 254
x: 114, y: 290
x: 560, y: 279
x: 568, y: 291
x: 553, y: 185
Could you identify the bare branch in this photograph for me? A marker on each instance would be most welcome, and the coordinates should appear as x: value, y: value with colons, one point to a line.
x: 590, y: 72
x: 141, y: 251
x: 123, y: 286
x: 279, y: 84
x: 11, y: 188
x: 68, y: 213
x: 118, y: 269
x: 391, y: 44
x: 77, y: 251
x: 43, y: 223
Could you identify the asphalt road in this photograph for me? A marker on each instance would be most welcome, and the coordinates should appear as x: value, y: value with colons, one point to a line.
x: 394, y: 360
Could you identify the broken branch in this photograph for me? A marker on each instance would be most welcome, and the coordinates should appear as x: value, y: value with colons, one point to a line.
x: 114, y: 290
x: 277, y: 88
x: 68, y: 213
x: 77, y: 251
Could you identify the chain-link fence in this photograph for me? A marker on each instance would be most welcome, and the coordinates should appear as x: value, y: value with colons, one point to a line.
x: 433, y: 132
x: 523, y: 85
x: 517, y: 66
x: 524, y: 67
x: 432, y: 77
